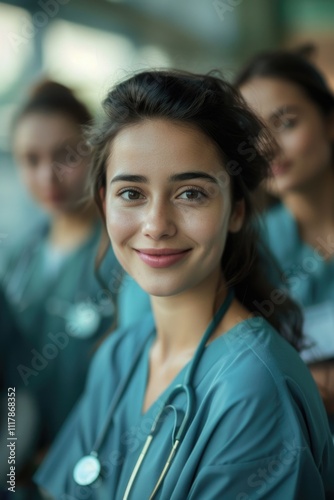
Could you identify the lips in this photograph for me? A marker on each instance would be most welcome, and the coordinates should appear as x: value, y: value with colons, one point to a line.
x: 160, y: 258
x: 279, y: 168
x: 53, y: 196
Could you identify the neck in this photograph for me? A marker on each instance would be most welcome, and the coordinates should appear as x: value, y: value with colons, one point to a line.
x: 313, y: 205
x: 70, y: 229
x: 182, y: 319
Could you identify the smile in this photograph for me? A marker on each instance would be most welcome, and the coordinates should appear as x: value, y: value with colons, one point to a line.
x: 161, y: 258
x: 278, y: 169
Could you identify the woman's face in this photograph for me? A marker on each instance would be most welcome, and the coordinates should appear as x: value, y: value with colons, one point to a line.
x: 167, y: 209
x: 304, y: 135
x: 52, y: 159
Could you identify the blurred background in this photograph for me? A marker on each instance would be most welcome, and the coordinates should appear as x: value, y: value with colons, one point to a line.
x: 88, y: 45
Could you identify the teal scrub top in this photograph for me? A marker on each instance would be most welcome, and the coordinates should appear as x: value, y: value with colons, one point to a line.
x: 132, y: 303
x: 308, y: 277
x: 259, y: 429
x: 60, y: 318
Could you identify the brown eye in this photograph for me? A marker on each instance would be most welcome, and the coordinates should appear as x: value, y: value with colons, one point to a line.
x: 131, y: 195
x: 67, y: 156
x: 192, y: 195
x: 30, y: 160
x: 284, y: 122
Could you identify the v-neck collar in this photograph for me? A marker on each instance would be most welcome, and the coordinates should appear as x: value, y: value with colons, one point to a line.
x: 201, y: 370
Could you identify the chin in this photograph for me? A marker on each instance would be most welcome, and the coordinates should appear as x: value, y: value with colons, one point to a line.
x: 159, y: 288
x: 280, y: 186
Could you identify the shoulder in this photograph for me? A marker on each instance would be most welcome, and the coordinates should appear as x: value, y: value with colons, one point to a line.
x: 261, y: 360
x: 277, y: 214
x: 252, y: 383
x: 30, y: 239
x: 266, y: 374
x: 23, y: 249
x: 263, y: 401
x: 277, y: 225
x: 132, y: 298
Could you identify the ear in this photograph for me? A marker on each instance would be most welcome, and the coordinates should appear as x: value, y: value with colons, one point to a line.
x: 102, y: 194
x: 237, y: 217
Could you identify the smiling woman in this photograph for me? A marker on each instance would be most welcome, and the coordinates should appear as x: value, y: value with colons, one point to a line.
x: 192, y: 415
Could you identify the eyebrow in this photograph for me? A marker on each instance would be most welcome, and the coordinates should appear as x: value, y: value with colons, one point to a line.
x: 185, y: 176
x: 283, y: 110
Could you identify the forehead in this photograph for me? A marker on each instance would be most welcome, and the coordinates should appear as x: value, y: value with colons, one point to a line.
x: 162, y: 145
x: 44, y: 130
x: 266, y: 95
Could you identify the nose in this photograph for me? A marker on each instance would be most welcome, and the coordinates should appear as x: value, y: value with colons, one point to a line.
x: 279, y: 145
x: 47, y: 174
x: 159, y: 220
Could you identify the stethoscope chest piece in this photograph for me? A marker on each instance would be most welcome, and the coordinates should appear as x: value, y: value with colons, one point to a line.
x: 87, y: 470
x: 82, y: 320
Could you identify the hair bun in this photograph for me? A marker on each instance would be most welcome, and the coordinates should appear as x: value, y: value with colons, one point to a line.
x: 307, y: 51
x: 51, y: 91
x: 53, y: 97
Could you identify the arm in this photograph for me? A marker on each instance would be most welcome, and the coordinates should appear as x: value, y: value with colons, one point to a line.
x: 285, y: 475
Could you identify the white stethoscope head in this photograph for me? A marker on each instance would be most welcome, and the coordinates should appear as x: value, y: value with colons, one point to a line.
x: 87, y: 470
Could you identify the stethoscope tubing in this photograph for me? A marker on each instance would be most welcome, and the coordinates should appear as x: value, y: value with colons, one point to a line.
x: 185, y: 387
x: 117, y: 398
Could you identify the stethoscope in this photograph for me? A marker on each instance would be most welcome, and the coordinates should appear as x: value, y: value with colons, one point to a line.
x: 88, y: 468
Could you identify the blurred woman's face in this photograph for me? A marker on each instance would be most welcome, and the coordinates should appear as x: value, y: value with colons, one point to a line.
x: 52, y: 159
x: 304, y: 135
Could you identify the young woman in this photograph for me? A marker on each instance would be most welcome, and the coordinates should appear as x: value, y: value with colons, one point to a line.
x: 229, y: 413
x: 297, y: 104
x: 60, y: 307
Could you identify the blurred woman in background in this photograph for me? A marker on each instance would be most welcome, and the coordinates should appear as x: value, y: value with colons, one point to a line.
x: 60, y: 307
x: 293, y: 98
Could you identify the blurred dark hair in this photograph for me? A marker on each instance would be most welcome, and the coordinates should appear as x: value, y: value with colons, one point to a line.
x: 214, y: 107
x: 52, y: 97
x: 294, y: 67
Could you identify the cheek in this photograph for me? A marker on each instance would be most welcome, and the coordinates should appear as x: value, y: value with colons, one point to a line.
x: 306, y: 144
x: 121, y: 224
x: 30, y: 179
x: 74, y: 178
x: 297, y: 143
x: 209, y: 229
x: 121, y: 227
x: 318, y: 150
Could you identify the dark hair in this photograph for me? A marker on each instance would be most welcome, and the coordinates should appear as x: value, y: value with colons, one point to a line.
x: 52, y: 97
x: 218, y: 110
x: 294, y: 67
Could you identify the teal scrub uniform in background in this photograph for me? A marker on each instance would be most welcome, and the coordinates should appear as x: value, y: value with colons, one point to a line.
x: 308, y: 277
x: 259, y: 429
x: 61, y: 316
x: 132, y: 303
